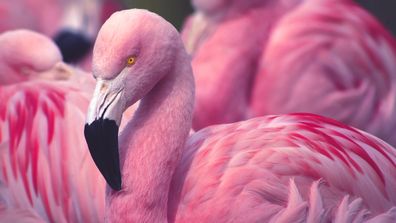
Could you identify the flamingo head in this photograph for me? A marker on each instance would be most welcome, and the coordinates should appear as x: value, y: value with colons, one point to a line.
x: 133, y: 51
x: 26, y: 54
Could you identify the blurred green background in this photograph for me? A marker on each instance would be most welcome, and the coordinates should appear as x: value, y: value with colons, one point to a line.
x: 176, y: 10
x: 173, y: 10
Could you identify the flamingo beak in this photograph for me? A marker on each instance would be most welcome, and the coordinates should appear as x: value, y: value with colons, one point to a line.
x: 101, y: 131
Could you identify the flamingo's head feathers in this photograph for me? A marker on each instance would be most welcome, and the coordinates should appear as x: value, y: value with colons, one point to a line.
x: 26, y: 53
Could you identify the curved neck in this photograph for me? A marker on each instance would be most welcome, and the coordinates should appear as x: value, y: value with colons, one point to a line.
x: 150, y: 147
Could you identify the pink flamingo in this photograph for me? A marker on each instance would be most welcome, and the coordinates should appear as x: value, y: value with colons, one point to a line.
x: 226, y: 39
x: 43, y: 167
x: 27, y: 55
x: 341, y: 65
x: 289, y: 168
x: 44, y: 170
x: 357, y: 79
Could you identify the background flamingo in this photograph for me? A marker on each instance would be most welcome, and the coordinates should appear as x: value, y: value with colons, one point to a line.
x: 341, y: 65
x: 354, y: 52
x: 288, y: 168
x: 45, y: 170
x: 44, y: 165
x: 27, y: 55
x: 226, y: 39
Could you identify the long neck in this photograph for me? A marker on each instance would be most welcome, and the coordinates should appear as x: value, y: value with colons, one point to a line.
x: 150, y: 148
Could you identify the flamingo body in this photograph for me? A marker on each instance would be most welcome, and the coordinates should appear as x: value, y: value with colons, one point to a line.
x: 341, y: 65
x: 44, y: 167
x: 287, y: 168
x: 325, y: 57
x: 283, y: 167
x: 19, y: 216
x: 225, y: 40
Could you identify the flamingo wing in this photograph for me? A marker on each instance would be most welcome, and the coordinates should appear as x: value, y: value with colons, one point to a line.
x: 8, y: 215
x: 45, y: 164
x: 284, y: 169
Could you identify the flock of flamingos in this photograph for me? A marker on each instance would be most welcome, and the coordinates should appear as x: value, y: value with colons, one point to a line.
x: 257, y: 111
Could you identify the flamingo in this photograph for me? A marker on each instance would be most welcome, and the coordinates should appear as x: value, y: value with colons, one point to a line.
x: 26, y: 55
x: 46, y: 174
x: 308, y: 47
x: 341, y: 65
x: 44, y: 167
x: 225, y: 39
x: 286, y: 168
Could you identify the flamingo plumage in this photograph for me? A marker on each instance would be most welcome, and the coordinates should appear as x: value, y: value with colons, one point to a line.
x: 45, y: 171
x: 225, y: 39
x: 27, y: 55
x: 45, y: 167
x: 286, y: 168
x: 341, y: 65
x: 19, y: 215
x: 334, y: 44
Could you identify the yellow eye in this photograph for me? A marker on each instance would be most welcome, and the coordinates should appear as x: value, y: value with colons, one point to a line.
x: 131, y: 60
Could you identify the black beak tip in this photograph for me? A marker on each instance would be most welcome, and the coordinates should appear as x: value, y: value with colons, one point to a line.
x: 114, y: 183
x: 102, y: 140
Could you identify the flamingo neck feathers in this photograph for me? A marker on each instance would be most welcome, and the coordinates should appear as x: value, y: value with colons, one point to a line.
x: 151, y: 145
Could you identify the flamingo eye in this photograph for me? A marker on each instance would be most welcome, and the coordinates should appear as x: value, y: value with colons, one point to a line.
x: 131, y: 61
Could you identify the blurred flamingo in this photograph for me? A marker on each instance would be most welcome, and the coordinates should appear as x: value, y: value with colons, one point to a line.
x: 330, y: 58
x: 19, y: 216
x: 289, y: 168
x: 44, y: 163
x: 45, y: 171
x: 226, y: 39
x: 27, y: 55
x: 346, y: 71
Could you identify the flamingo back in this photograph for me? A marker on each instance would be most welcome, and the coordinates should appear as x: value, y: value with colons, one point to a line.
x: 284, y: 169
x: 334, y: 59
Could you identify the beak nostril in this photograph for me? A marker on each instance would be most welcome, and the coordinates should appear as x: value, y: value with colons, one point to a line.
x: 103, y: 87
x: 101, y: 106
x: 109, y: 104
